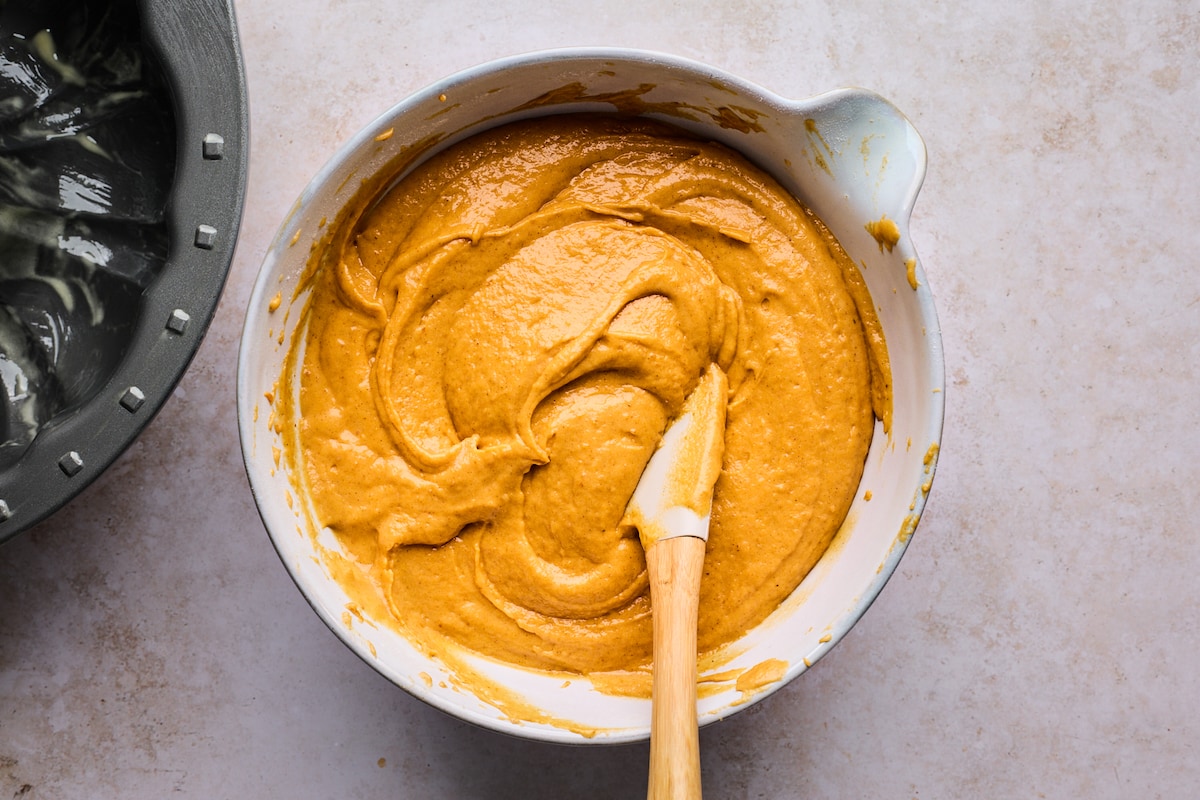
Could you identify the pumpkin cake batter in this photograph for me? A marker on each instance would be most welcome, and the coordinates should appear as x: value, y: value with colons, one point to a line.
x: 494, y: 345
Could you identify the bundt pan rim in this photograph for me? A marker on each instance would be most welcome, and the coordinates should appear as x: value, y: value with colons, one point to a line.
x: 196, y: 44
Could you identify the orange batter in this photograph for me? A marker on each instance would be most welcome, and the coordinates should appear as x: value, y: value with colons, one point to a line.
x: 495, y: 344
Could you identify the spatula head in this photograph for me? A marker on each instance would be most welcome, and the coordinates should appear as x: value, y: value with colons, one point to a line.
x: 674, y: 495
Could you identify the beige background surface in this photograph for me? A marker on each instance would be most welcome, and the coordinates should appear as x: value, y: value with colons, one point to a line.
x: 1041, y: 638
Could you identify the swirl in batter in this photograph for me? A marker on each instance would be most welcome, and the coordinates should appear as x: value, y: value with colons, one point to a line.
x: 495, y: 344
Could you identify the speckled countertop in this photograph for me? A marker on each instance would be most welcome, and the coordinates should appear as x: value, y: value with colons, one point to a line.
x: 1040, y: 637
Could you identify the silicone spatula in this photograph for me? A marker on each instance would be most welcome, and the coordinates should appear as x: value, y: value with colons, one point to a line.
x: 670, y: 508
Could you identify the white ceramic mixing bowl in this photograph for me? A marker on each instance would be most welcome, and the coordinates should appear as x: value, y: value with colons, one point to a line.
x: 849, y: 155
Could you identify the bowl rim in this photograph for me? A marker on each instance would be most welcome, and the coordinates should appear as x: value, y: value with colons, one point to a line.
x: 380, y: 125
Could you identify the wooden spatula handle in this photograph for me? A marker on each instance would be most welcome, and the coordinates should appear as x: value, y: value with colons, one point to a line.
x: 675, y: 566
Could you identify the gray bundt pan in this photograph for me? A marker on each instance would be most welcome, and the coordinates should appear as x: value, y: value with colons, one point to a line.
x: 194, y: 47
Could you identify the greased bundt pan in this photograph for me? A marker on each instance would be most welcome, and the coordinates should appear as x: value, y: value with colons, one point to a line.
x: 123, y: 148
